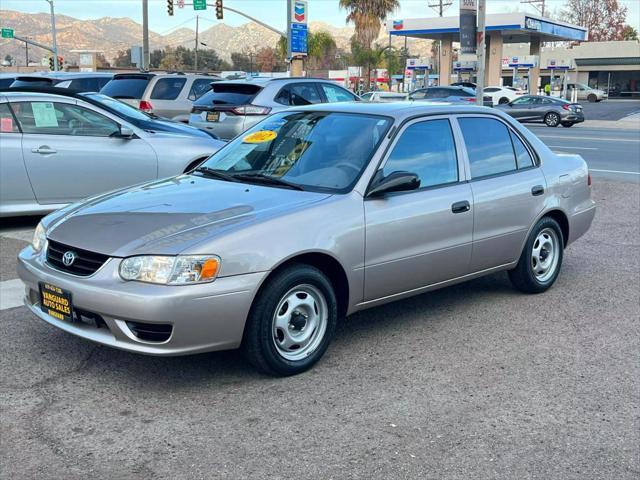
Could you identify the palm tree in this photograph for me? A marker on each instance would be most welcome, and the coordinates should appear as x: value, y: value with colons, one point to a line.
x: 322, y: 49
x: 367, y: 16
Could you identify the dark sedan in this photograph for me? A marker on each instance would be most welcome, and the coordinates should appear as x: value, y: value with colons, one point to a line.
x: 552, y: 111
x: 451, y: 94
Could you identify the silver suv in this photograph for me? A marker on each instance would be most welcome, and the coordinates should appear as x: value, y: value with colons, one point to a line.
x: 168, y: 95
x: 231, y: 107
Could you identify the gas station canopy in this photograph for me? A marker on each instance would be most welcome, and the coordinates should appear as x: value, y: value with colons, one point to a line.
x: 514, y: 28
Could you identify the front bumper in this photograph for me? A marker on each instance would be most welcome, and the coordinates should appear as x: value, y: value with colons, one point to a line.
x: 203, y: 317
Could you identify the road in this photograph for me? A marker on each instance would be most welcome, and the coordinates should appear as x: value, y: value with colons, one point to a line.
x: 610, y: 153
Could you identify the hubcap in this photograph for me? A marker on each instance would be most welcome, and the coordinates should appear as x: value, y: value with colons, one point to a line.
x: 545, y: 255
x: 299, y: 322
x: 552, y: 119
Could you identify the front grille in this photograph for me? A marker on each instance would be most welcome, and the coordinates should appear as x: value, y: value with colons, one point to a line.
x: 151, y: 332
x: 85, y: 264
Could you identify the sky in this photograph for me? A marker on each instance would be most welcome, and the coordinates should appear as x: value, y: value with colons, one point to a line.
x: 272, y: 12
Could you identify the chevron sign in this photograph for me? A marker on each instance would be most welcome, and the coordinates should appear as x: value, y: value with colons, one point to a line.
x: 299, y: 14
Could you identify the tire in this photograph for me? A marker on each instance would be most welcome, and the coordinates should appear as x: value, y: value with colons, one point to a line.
x: 567, y: 124
x: 552, y: 119
x: 592, y: 98
x: 503, y: 100
x: 534, y: 272
x: 269, y: 342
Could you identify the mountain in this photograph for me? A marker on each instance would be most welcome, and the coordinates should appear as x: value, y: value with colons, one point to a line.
x: 110, y: 35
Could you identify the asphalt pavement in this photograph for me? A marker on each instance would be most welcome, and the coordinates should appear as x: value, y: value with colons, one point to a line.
x: 475, y: 381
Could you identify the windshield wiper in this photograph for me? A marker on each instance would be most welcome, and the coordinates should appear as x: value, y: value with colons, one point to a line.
x: 267, y: 179
x: 218, y: 174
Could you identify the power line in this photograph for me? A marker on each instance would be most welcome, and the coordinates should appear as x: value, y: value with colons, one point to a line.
x: 537, y: 4
x: 441, y: 6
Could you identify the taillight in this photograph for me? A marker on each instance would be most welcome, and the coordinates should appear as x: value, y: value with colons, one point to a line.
x: 589, y: 179
x: 468, y: 99
x: 566, y: 107
x: 145, y: 106
x: 251, y: 110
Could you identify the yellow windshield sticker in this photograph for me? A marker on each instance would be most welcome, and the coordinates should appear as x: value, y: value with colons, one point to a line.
x: 262, y: 136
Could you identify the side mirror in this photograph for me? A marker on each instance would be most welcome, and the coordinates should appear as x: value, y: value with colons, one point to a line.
x: 125, y: 133
x: 394, y: 182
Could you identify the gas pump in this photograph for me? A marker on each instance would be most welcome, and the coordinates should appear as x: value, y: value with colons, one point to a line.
x: 559, y: 70
x: 465, y: 68
x: 525, y: 62
x: 419, y: 72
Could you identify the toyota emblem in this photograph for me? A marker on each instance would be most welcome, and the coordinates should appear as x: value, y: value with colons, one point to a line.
x: 68, y: 258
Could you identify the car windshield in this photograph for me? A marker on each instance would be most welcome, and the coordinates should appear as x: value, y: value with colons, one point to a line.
x: 318, y: 151
x: 118, y: 106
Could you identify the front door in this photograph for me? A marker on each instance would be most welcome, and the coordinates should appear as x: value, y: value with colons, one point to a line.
x: 508, y: 190
x: 421, y: 237
x: 70, y: 154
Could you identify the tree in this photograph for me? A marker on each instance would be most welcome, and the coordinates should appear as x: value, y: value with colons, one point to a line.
x: 101, y: 61
x: 321, y: 50
x: 605, y: 19
x: 266, y: 59
x: 8, y: 59
x: 171, y: 60
x: 629, y: 33
x: 123, y: 58
x: 241, y: 61
x: 367, y: 16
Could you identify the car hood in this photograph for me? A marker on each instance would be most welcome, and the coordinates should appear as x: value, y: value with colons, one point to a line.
x: 171, y: 215
x: 171, y: 128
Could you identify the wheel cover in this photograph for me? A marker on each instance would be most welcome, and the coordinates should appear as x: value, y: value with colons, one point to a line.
x: 300, y: 322
x: 552, y: 119
x: 545, y: 255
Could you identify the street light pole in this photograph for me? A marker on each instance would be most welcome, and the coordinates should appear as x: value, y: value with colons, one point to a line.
x: 482, y: 17
x: 53, y: 34
x: 145, y: 34
x: 196, y: 50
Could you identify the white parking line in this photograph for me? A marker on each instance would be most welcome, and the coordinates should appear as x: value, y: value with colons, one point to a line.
x: 601, y: 139
x: 614, y: 171
x: 575, y: 148
x: 11, y: 293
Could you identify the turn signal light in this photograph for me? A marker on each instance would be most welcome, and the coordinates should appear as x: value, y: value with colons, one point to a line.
x: 251, y: 110
x: 145, y: 106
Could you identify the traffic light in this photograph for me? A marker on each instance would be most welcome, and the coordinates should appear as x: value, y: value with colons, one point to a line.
x: 51, y: 64
x: 170, y: 7
x: 60, y: 62
x: 219, y: 14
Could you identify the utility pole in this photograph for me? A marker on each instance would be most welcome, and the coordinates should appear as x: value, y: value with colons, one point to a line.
x: 537, y: 4
x: 440, y: 7
x: 145, y: 35
x: 53, y: 34
x: 482, y: 17
x: 26, y: 53
x: 196, y: 51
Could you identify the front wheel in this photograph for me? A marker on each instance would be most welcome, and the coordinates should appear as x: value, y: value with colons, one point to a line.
x: 592, y: 98
x: 541, y: 259
x: 291, y: 322
x: 552, y: 119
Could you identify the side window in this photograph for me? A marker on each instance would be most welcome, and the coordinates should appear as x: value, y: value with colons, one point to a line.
x: 336, y: 94
x: 523, y: 101
x: 7, y: 123
x: 49, y: 118
x: 491, y: 90
x: 167, y: 88
x: 418, y: 95
x: 489, y: 146
x: 426, y: 149
x: 523, y: 158
x: 199, y: 87
x: 299, y: 94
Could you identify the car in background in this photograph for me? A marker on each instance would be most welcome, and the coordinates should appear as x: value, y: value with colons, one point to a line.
x: 464, y: 84
x: 231, y: 107
x: 79, y: 82
x: 168, y: 95
x: 381, y: 96
x: 502, y: 95
x: 6, y: 79
x: 314, y: 214
x: 450, y: 94
x: 553, y: 111
x: 59, y: 147
x: 585, y: 92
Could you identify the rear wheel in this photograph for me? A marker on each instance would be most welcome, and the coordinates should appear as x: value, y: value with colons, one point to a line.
x: 592, y: 98
x: 503, y: 100
x: 567, y: 124
x: 552, y: 119
x: 291, y: 322
x: 541, y: 259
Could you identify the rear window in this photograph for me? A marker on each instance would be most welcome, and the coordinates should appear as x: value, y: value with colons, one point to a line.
x: 33, y: 82
x: 229, y: 94
x: 465, y: 92
x: 90, y: 84
x: 6, y: 82
x: 126, y: 87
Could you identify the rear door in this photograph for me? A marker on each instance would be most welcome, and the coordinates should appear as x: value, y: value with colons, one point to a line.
x: 421, y: 237
x: 521, y: 107
x: 508, y: 189
x: 166, y: 97
x: 334, y: 93
x: 70, y: 153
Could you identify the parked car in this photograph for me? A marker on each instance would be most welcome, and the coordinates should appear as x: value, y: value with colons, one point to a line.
x: 470, y: 85
x: 6, y: 79
x: 553, y: 111
x: 381, y: 96
x: 231, y: 107
x: 462, y: 95
x: 61, y: 147
x: 502, y: 95
x: 168, y: 95
x: 80, y: 82
x: 585, y: 92
x: 263, y: 246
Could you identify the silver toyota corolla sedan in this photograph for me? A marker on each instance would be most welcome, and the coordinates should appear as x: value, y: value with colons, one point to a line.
x: 57, y: 148
x: 312, y: 215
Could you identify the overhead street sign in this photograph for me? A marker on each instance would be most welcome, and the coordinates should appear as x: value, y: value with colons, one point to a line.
x: 199, y: 4
x: 7, y: 33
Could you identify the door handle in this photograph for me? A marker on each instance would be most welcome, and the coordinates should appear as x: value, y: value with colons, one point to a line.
x: 537, y: 190
x: 44, y: 150
x: 460, y: 207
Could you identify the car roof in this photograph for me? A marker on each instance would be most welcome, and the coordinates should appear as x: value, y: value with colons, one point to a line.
x: 262, y: 81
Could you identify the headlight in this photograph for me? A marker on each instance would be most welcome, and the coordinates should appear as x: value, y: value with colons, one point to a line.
x: 39, y: 238
x: 180, y: 270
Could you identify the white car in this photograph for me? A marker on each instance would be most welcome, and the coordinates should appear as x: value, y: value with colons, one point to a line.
x: 382, y: 96
x: 502, y: 95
